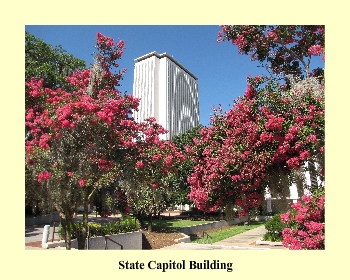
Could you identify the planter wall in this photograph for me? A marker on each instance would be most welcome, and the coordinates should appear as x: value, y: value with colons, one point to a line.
x: 262, y: 218
x: 203, y: 227
x: 184, y: 239
x: 129, y: 240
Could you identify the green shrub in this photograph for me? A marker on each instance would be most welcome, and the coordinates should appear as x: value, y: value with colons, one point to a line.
x: 273, y: 236
x: 275, y: 224
x: 274, y: 229
x: 128, y: 224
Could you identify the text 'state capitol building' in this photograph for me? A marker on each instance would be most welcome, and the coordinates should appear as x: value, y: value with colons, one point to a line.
x: 168, y: 92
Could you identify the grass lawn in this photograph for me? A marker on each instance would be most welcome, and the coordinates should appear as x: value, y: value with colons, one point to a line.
x: 176, y: 223
x: 219, y: 234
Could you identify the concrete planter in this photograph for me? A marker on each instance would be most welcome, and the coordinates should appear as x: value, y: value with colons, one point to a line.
x: 262, y: 218
x: 184, y: 239
x: 201, y: 227
x: 129, y: 240
x: 211, y: 225
x: 240, y: 220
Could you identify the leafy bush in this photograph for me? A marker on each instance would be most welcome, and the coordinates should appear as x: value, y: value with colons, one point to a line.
x: 128, y: 224
x: 194, y: 212
x: 273, y: 236
x: 274, y: 229
x: 275, y: 224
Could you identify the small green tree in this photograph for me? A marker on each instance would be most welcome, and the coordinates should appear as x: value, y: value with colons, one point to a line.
x: 179, y: 181
x: 53, y: 64
x: 146, y: 181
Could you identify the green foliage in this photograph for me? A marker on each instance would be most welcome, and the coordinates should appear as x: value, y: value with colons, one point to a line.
x: 274, y: 228
x: 145, y: 201
x: 275, y: 224
x: 194, y: 212
x: 176, y: 223
x: 128, y: 224
x: 53, y: 64
x: 187, y: 138
x: 179, y: 181
x: 273, y: 236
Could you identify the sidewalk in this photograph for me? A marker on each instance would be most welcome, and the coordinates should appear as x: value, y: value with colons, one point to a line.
x: 243, y: 241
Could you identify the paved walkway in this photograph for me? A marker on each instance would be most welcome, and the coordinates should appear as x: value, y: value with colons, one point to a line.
x: 243, y: 241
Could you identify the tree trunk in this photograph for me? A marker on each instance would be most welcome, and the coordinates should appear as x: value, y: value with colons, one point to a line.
x: 66, y: 222
x: 68, y: 235
x: 150, y: 222
x: 81, y: 237
x: 229, y: 213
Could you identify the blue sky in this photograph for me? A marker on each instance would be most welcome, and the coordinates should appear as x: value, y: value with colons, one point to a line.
x: 221, y: 71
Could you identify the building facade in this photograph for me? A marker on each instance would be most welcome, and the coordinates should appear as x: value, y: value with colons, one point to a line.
x: 168, y: 92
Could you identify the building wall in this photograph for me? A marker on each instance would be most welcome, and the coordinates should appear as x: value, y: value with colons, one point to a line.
x: 168, y: 92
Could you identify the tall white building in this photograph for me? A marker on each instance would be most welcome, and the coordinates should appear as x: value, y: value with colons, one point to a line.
x: 168, y: 92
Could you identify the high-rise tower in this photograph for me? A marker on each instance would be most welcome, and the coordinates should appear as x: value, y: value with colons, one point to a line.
x: 168, y: 92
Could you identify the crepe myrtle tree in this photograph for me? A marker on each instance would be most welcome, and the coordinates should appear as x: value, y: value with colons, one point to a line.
x: 235, y: 156
x: 53, y: 64
x: 273, y: 127
x: 283, y: 49
x: 81, y: 140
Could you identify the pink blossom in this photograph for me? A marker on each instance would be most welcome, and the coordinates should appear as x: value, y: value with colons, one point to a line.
x: 274, y: 123
x: 272, y: 35
x: 285, y: 218
x: 151, y: 119
x: 250, y: 92
x: 293, y: 163
x: 316, y: 50
x: 309, y: 231
x: 314, y: 227
x: 293, y: 130
x: 156, y: 157
x: 289, y: 137
x: 240, y: 42
x: 306, y: 199
x: 44, y: 176
x: 169, y: 160
x: 304, y: 155
x: 266, y: 137
x: 139, y: 164
x: 312, y: 138
x: 82, y: 182
x: 43, y: 142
